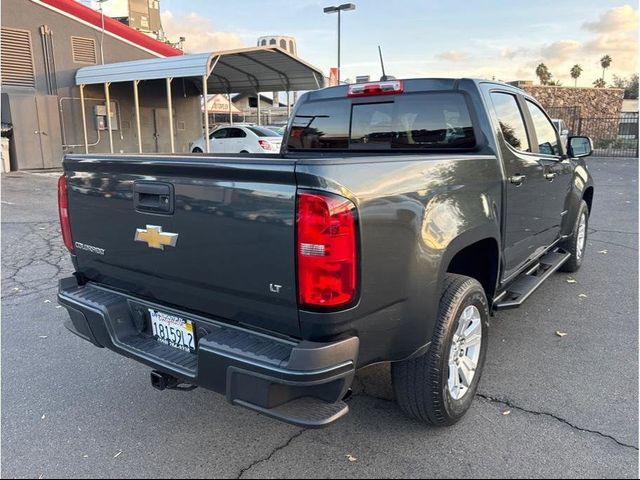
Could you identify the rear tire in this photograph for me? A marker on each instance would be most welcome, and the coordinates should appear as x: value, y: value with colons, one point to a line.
x: 576, y: 245
x: 196, y: 150
x: 425, y: 386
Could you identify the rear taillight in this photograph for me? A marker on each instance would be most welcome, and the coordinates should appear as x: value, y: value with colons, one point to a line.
x: 63, y: 210
x: 265, y: 144
x: 391, y: 87
x: 326, y: 250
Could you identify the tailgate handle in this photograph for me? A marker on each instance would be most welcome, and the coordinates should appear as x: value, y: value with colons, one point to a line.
x: 153, y: 197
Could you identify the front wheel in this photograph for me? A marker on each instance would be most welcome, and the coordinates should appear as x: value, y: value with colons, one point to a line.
x: 577, y: 243
x: 439, y: 386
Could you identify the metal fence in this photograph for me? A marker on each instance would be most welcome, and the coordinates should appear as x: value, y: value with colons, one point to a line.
x: 570, y: 115
x: 268, y: 117
x: 612, y: 136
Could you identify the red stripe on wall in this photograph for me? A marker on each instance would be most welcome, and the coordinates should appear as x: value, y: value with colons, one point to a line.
x: 93, y: 17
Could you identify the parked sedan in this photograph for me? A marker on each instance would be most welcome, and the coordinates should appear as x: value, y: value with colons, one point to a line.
x: 240, y: 139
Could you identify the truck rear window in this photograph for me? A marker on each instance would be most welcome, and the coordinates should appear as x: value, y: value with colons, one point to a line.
x: 422, y: 121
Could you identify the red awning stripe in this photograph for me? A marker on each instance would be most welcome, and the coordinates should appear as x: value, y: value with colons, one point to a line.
x: 82, y: 12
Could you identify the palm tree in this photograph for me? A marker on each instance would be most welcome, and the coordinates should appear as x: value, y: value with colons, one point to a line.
x: 576, y: 70
x: 600, y: 83
x: 604, y: 63
x: 543, y: 74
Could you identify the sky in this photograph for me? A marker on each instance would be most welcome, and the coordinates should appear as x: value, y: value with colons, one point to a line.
x: 477, y: 38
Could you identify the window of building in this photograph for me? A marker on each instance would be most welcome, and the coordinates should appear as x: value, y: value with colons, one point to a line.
x: 263, y: 42
x: 511, y: 121
x: 292, y: 47
x: 283, y: 43
x: 272, y: 41
x: 17, y: 58
x: 83, y: 50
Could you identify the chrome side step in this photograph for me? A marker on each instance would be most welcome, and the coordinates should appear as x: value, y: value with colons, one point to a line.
x: 527, y: 283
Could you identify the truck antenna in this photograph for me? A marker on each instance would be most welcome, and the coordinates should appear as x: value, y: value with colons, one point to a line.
x: 384, y: 75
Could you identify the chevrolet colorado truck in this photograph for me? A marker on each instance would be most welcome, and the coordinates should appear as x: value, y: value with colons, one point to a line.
x: 397, y: 217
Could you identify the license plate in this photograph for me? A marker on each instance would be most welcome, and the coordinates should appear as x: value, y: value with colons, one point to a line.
x: 173, y: 331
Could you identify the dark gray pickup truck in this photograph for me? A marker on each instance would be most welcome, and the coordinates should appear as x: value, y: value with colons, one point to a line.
x: 397, y: 218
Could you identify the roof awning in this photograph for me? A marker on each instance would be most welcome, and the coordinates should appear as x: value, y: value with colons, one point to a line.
x: 248, y: 70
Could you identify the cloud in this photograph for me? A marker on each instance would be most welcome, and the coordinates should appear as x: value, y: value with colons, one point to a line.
x: 199, y: 32
x: 452, y: 56
x: 559, y: 52
x: 615, y: 20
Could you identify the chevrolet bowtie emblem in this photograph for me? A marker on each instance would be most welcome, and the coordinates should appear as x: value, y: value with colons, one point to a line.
x: 155, y: 237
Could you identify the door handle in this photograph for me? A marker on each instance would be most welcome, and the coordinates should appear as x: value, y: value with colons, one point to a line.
x: 517, y: 179
x: 153, y: 197
x: 550, y: 176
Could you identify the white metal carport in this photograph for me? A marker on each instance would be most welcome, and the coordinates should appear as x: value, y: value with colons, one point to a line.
x: 249, y: 70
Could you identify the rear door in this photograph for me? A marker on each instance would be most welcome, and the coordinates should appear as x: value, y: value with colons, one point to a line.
x: 206, y: 248
x: 525, y: 221
x: 237, y: 141
x: 557, y: 171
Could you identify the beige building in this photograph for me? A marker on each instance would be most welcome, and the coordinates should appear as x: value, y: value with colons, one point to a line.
x: 44, y: 43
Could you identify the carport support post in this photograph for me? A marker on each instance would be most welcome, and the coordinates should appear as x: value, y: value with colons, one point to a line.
x: 84, y: 120
x: 258, y: 105
x: 170, y: 107
x: 288, y: 106
x: 230, y: 111
x: 205, y: 94
x: 108, y: 99
x: 136, y: 102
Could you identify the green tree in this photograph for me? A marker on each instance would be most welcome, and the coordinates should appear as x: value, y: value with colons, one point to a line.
x: 630, y: 85
x: 543, y: 73
x: 605, y: 62
x: 576, y: 70
x: 600, y: 83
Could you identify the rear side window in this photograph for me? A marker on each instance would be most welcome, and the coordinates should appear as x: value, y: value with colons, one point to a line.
x: 236, y: 133
x: 547, y: 138
x: 413, y: 121
x: 511, y: 121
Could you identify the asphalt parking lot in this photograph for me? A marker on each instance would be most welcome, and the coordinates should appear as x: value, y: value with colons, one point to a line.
x: 548, y: 406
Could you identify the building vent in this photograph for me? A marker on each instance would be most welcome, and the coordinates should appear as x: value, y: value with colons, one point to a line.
x: 17, y: 58
x: 83, y: 50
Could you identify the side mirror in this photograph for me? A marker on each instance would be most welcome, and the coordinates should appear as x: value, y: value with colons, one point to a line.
x: 564, y: 132
x: 579, y: 147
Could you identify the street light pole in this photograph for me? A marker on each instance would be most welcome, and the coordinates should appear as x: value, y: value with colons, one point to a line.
x: 339, y: 29
x: 338, y: 9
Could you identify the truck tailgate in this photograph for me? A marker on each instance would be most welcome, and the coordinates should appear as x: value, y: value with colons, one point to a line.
x: 234, y: 253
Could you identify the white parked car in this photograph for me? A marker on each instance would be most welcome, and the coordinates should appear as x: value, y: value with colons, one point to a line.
x: 563, y: 130
x: 240, y: 139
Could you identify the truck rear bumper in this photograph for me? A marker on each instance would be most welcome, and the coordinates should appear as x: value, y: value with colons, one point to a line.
x: 302, y: 383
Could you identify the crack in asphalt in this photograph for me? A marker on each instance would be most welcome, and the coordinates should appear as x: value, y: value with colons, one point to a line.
x: 33, y: 263
x: 273, y: 452
x: 596, y: 230
x: 510, y: 404
x: 614, y: 244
